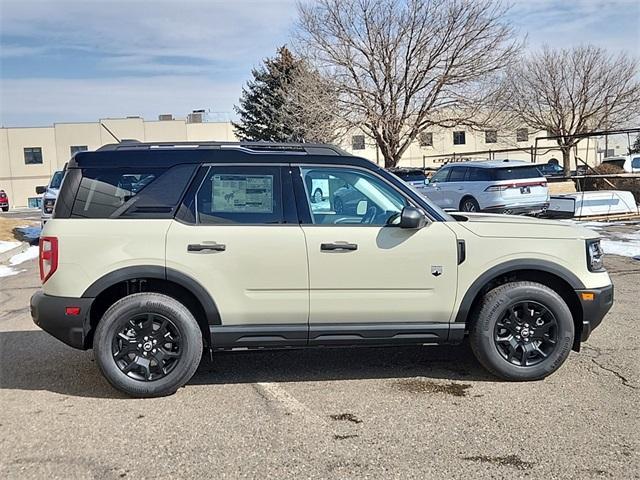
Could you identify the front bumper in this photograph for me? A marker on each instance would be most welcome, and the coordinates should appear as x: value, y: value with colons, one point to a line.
x: 593, y: 311
x: 518, y: 209
x: 49, y: 313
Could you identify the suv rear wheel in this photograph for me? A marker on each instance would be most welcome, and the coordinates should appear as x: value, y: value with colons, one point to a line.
x: 523, y: 331
x: 148, y: 345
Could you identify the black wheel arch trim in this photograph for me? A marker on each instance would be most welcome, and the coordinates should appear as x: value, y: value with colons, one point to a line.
x: 513, y: 266
x: 161, y: 273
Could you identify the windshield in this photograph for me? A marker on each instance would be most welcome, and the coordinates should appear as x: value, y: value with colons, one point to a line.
x: 56, y: 180
x: 516, y: 173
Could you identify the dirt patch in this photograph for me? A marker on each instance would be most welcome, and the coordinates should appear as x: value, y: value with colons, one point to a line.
x: 509, y: 461
x: 417, y: 385
x: 346, y: 417
x: 8, y: 224
x: 344, y: 437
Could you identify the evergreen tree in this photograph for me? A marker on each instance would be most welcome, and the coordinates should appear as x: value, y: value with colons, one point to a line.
x: 263, y: 108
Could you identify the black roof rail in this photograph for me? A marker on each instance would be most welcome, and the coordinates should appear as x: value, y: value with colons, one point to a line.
x: 249, y: 147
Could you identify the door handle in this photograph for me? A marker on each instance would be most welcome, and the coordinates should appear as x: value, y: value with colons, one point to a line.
x: 338, y: 246
x: 203, y: 247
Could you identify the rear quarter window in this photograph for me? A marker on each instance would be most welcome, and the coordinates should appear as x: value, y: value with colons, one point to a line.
x: 106, y: 192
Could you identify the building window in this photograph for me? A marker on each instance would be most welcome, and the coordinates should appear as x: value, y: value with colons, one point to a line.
x: 522, y: 135
x: 426, y: 139
x: 459, y: 138
x: 491, y: 136
x: 77, y: 148
x: 357, y: 142
x: 32, y: 155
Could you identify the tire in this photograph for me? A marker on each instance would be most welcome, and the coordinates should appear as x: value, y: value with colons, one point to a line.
x: 180, y: 354
x: 317, y: 196
x: 338, y: 206
x: 469, y: 204
x: 496, y: 329
x: 5, y: 209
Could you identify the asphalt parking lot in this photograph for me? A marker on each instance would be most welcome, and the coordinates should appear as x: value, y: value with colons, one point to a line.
x: 419, y: 412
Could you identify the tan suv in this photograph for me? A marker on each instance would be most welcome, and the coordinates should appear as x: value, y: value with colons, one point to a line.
x: 156, y: 252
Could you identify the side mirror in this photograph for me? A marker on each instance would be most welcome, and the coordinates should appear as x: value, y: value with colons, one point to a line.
x: 362, y: 207
x: 412, y: 218
x: 40, y: 189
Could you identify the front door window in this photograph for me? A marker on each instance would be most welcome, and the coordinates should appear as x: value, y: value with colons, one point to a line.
x: 340, y: 196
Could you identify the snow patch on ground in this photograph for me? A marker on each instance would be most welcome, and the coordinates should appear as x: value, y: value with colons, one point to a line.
x: 8, y: 271
x: 626, y: 249
x: 6, y: 246
x: 29, y: 254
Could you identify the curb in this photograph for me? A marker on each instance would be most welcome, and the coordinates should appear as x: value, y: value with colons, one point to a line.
x: 5, y: 256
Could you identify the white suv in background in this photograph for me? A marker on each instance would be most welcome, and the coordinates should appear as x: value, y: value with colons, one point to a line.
x: 504, y: 186
x: 49, y: 196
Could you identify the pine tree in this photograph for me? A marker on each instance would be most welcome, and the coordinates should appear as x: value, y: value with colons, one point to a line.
x: 263, y: 109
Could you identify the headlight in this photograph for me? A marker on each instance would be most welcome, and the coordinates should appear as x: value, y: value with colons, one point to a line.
x: 48, y: 205
x: 595, y: 256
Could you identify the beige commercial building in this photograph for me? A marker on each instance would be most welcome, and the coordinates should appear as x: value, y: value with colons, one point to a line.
x: 29, y: 156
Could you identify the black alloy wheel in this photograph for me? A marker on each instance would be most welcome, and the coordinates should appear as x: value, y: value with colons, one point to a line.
x: 469, y: 205
x: 148, y: 347
x: 526, y: 334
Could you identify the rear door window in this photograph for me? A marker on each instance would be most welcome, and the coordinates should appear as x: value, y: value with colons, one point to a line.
x: 478, y: 174
x: 240, y: 194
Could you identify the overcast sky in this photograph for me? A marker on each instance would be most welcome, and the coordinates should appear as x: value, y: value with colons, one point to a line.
x: 81, y: 60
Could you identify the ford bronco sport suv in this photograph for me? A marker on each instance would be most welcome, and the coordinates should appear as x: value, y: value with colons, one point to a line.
x: 156, y: 252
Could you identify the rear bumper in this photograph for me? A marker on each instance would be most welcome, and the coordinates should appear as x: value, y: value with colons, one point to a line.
x: 49, y: 313
x: 4, y: 204
x: 593, y: 311
x: 518, y: 208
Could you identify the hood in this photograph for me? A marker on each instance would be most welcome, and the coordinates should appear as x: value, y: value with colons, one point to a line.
x: 51, y: 193
x: 516, y: 226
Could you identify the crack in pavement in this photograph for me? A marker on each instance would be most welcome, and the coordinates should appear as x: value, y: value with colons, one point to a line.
x: 594, y: 359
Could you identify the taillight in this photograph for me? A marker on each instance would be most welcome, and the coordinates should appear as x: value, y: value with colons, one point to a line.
x: 48, y: 258
x: 507, y: 186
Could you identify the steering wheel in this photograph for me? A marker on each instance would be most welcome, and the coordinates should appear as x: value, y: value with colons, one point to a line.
x: 370, y: 216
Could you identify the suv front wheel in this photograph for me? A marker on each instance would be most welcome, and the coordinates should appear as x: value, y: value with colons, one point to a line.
x: 469, y: 204
x: 523, y: 331
x: 148, y: 345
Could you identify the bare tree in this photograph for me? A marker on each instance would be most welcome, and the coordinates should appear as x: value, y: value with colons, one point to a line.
x: 572, y: 91
x: 401, y: 66
x: 311, y: 105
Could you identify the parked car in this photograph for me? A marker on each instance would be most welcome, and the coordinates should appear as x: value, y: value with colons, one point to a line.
x: 506, y: 186
x: 346, y: 199
x: 49, y: 196
x: 413, y: 176
x: 4, y: 201
x: 629, y: 163
x: 551, y: 169
x: 224, y: 249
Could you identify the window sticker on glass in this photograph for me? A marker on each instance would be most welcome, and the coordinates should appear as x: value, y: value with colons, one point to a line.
x: 242, y: 193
